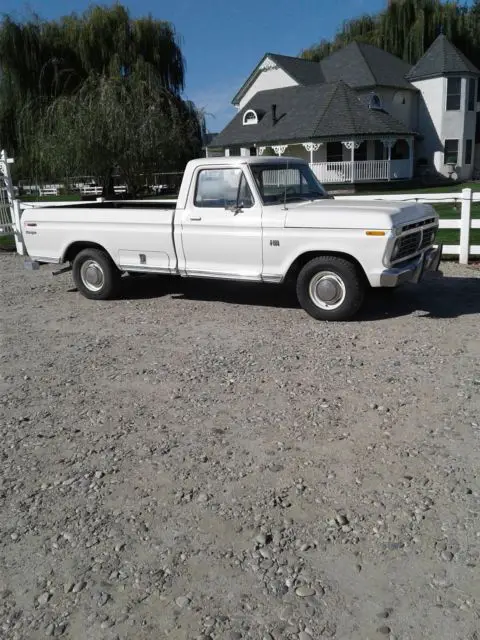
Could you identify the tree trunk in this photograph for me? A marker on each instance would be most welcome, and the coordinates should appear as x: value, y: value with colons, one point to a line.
x: 108, y: 190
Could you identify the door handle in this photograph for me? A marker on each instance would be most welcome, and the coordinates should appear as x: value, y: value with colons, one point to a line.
x: 195, y: 217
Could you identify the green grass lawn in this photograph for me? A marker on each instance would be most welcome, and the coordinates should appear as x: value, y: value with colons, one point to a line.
x: 6, y: 242
x: 452, y: 236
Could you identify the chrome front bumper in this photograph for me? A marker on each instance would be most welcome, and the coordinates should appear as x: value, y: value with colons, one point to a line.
x: 413, y: 270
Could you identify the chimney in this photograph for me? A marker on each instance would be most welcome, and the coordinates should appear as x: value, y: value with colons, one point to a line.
x: 274, y: 113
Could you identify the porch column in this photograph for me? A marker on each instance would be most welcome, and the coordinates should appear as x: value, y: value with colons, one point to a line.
x: 280, y: 149
x: 352, y: 145
x: 311, y: 147
x: 227, y: 153
x: 389, y: 143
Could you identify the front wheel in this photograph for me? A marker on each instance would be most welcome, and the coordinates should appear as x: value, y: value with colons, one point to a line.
x: 95, y: 275
x: 330, y: 288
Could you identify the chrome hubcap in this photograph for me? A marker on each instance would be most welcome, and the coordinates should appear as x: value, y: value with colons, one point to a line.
x: 92, y: 275
x: 327, y: 290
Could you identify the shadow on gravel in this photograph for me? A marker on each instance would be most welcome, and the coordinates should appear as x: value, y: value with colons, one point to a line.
x: 435, y: 297
x: 247, y: 293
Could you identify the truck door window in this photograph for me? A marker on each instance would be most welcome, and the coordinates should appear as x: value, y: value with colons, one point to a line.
x: 221, y: 188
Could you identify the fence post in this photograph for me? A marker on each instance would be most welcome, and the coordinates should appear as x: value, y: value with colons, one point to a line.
x: 465, y: 223
x: 17, y: 227
x: 5, y: 161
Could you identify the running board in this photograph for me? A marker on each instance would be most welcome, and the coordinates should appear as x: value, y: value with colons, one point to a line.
x: 59, y: 272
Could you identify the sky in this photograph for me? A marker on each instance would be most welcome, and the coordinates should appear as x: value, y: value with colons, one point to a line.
x: 223, y: 40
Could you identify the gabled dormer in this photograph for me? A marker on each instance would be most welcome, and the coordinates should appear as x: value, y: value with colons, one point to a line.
x: 278, y: 72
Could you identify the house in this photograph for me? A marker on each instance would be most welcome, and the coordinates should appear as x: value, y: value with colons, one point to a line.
x: 360, y: 114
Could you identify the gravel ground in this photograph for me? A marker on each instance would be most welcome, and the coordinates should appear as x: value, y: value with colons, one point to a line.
x: 203, y: 460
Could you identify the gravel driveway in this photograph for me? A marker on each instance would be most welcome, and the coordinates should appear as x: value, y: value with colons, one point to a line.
x: 203, y: 460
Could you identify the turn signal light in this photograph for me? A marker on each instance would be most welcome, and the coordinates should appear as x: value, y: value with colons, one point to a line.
x: 375, y: 233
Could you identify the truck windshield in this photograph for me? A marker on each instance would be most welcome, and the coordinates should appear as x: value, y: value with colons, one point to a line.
x: 288, y: 182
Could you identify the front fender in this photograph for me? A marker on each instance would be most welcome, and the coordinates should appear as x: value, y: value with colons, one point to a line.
x: 366, y: 251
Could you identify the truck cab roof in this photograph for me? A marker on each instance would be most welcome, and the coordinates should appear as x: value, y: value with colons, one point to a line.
x: 236, y: 160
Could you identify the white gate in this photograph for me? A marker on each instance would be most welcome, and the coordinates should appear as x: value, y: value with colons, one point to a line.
x: 6, y: 200
x: 9, y: 206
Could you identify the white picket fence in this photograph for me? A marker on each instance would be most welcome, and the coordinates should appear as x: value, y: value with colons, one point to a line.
x: 88, y: 190
x: 465, y: 223
x: 10, y: 210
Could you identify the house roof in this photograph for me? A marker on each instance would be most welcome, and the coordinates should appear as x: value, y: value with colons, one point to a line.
x: 305, y: 72
x: 442, y: 58
x: 363, y: 65
x: 308, y: 113
x: 358, y: 64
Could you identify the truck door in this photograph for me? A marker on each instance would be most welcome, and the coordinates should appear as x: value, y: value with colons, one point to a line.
x: 222, y: 226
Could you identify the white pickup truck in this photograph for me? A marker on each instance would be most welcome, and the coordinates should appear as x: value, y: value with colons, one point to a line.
x: 254, y: 219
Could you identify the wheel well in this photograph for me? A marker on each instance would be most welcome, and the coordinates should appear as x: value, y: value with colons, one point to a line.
x: 74, y: 249
x: 302, y: 260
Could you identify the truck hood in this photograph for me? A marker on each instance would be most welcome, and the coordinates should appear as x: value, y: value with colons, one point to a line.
x: 355, y: 214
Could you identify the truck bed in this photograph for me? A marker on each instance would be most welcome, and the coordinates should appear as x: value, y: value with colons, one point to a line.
x: 106, y: 204
x: 138, y: 235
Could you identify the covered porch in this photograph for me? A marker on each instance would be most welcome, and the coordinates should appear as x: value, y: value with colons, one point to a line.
x: 346, y: 161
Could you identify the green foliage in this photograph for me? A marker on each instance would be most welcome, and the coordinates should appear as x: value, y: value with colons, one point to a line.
x: 131, y: 124
x: 94, y: 92
x: 407, y: 28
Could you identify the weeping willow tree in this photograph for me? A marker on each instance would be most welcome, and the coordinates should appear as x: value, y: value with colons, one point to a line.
x: 127, y: 125
x: 407, y: 28
x: 86, y: 92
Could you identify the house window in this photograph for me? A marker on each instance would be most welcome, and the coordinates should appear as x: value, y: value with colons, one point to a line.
x: 235, y: 151
x: 471, y: 94
x: 454, y: 93
x: 399, y: 98
x: 334, y: 152
x: 361, y: 152
x: 450, y: 155
x: 468, y: 151
x: 250, y: 117
x: 375, y: 102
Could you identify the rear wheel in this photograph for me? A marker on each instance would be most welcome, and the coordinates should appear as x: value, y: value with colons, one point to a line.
x: 95, y: 275
x: 330, y: 288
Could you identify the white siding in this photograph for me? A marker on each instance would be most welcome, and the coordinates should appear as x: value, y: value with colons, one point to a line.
x: 436, y: 125
x: 267, y: 79
x: 392, y: 103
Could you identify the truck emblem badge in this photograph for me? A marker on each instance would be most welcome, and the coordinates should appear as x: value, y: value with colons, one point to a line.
x: 274, y: 243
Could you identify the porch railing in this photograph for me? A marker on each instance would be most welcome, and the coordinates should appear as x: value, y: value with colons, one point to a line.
x: 360, y: 171
x: 332, y: 171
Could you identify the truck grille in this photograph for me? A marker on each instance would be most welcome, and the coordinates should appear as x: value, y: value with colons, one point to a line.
x: 414, y: 242
x: 408, y: 245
